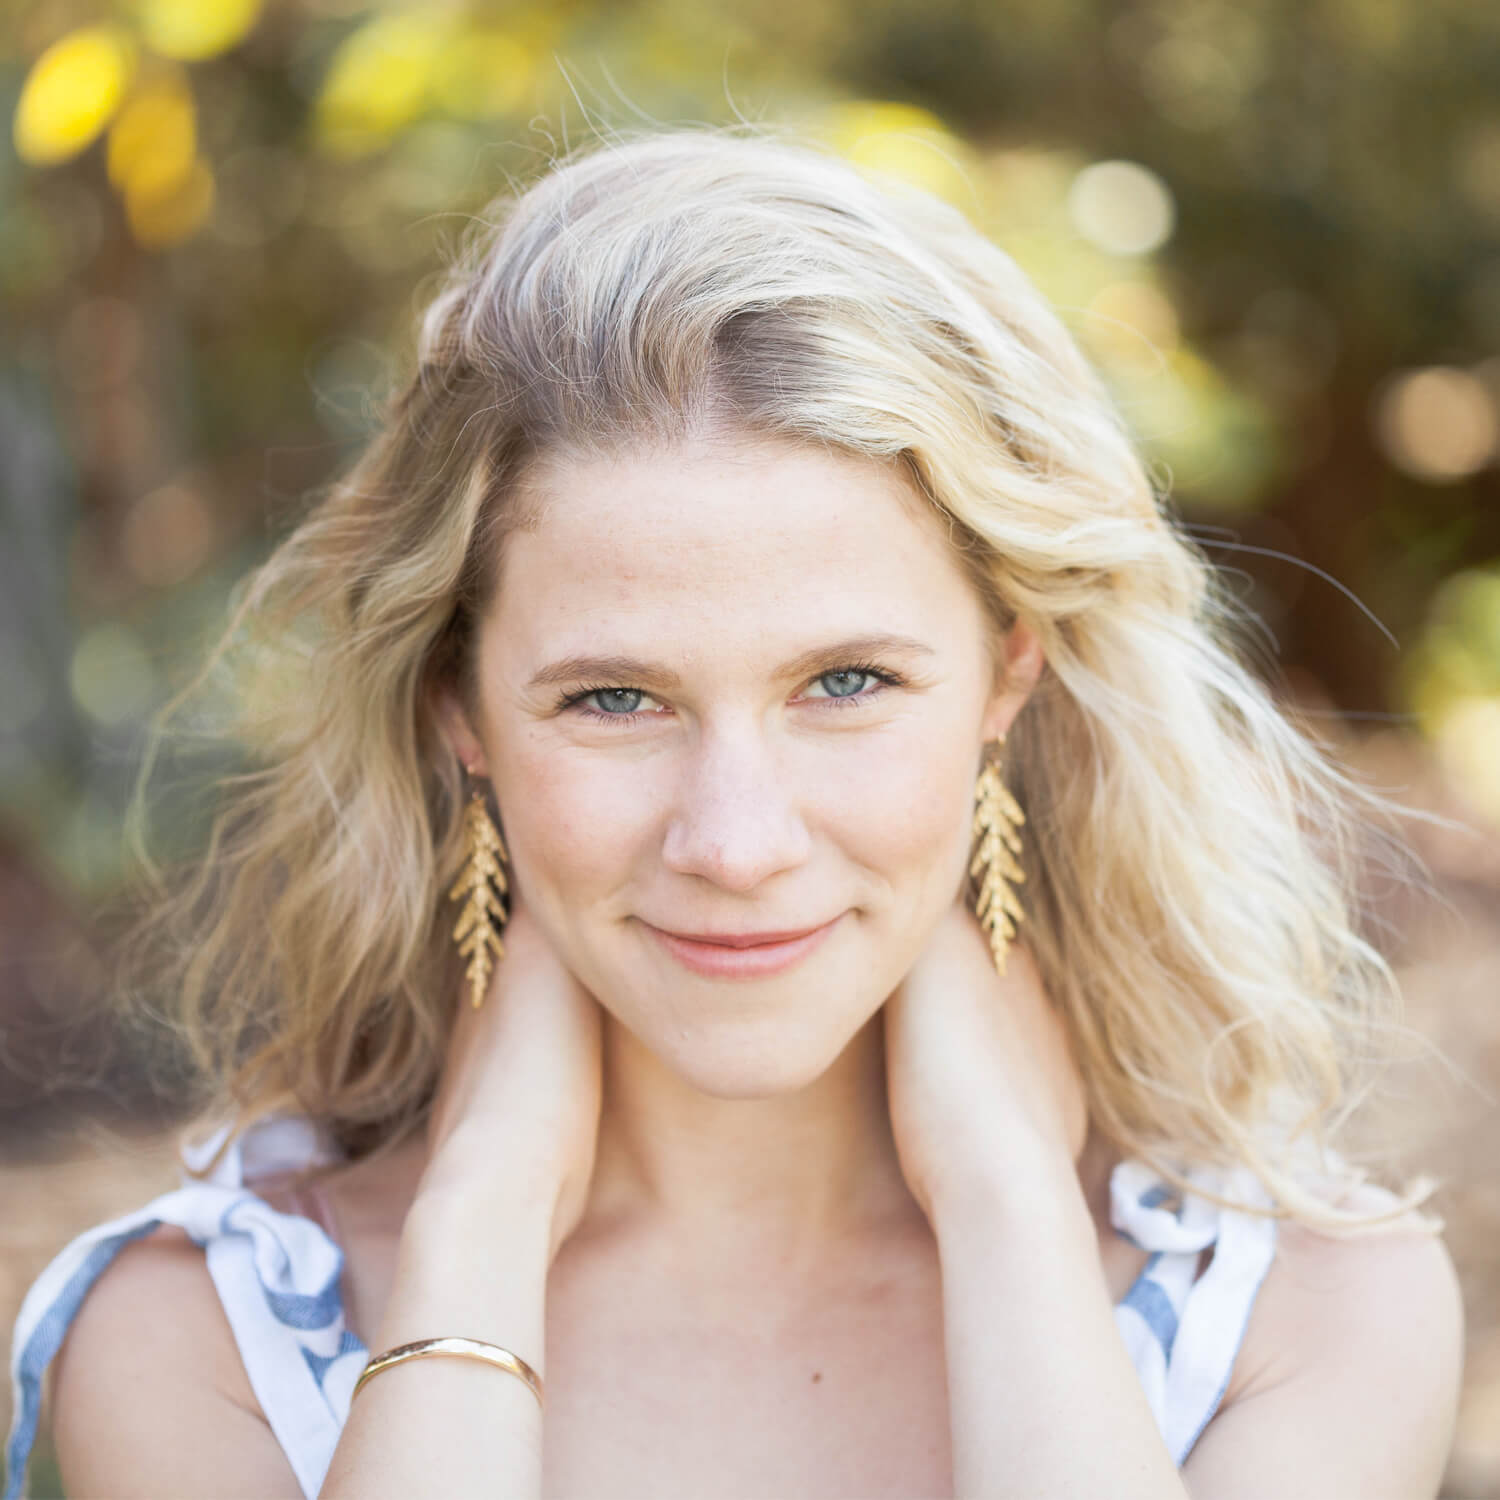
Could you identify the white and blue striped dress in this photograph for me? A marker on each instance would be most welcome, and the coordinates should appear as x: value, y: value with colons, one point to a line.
x: 277, y: 1275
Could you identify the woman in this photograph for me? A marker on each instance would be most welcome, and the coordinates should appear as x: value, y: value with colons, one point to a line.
x: 753, y: 609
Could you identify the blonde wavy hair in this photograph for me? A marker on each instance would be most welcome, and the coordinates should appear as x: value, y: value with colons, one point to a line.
x: 1190, y: 859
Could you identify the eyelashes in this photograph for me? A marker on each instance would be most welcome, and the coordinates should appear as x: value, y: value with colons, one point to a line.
x: 577, y: 701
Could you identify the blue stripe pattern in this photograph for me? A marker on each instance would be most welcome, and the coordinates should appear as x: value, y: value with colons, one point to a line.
x: 319, y: 1363
x: 46, y: 1339
x: 1153, y: 1304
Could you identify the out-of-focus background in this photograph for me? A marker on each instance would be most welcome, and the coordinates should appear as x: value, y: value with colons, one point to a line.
x: 1275, y: 226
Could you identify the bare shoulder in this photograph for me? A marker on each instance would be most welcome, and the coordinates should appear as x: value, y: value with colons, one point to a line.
x: 1326, y: 1293
x: 1348, y: 1377
x: 149, y: 1395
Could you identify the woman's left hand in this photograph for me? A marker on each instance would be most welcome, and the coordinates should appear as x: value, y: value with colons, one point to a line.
x: 980, y: 1075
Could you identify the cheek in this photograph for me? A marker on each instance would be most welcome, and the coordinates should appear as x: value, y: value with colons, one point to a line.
x: 571, y: 826
x: 905, y: 807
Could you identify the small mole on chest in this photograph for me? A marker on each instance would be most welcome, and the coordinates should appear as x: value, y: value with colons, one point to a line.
x: 817, y: 1376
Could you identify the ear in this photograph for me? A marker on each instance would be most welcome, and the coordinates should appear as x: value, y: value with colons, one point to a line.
x: 454, y: 725
x: 1018, y: 669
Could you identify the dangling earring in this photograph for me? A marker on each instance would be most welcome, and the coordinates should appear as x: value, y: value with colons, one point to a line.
x: 481, y: 883
x: 997, y: 816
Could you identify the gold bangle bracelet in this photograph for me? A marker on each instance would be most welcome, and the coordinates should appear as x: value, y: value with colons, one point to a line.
x: 490, y: 1354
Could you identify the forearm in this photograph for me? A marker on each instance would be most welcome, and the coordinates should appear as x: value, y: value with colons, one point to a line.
x: 1043, y: 1398
x: 444, y: 1425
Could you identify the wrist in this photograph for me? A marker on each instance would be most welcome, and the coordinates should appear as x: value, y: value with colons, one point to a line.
x: 1024, y: 1185
x: 460, y: 1215
x: 455, y: 1217
x: 471, y: 1177
x: 474, y: 1267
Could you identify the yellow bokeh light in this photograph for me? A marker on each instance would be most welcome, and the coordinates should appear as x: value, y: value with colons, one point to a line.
x: 1132, y: 323
x: 1215, y: 441
x: 161, y: 219
x: 71, y: 93
x: 1457, y: 660
x: 378, y: 82
x: 1468, y: 739
x: 154, y: 140
x: 195, y: 29
x: 901, y: 141
x: 482, y: 74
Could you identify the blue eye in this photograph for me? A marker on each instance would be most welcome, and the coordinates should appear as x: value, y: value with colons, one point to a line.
x: 844, y: 683
x: 619, y: 705
x: 618, y: 700
x: 851, y: 686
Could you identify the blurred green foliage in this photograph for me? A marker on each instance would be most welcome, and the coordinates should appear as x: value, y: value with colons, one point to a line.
x: 1275, y: 226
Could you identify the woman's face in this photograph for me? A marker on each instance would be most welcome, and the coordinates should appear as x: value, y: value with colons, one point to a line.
x: 736, y: 688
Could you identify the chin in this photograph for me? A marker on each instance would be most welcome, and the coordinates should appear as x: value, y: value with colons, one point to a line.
x: 755, y: 1061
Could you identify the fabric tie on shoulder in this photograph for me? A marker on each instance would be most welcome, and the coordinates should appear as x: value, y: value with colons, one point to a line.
x: 1183, y: 1330
x: 276, y: 1274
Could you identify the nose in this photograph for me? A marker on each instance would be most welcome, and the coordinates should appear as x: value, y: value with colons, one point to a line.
x: 735, y: 822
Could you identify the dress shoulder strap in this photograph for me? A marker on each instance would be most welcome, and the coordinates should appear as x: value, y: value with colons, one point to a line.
x: 277, y: 1276
x: 1183, y: 1330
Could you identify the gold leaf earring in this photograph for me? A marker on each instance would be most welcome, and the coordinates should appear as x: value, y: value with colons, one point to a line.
x: 997, y: 816
x: 480, y: 885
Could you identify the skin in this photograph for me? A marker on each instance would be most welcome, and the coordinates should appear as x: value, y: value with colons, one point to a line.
x: 856, y: 1204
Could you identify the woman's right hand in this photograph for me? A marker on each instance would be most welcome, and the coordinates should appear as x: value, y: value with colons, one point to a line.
x: 520, y: 1089
x: 510, y: 1156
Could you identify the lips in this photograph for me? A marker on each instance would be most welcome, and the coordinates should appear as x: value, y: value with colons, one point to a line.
x: 740, y: 955
x: 742, y: 940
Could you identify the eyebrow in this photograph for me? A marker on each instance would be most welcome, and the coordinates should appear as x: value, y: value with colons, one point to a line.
x: 632, y: 671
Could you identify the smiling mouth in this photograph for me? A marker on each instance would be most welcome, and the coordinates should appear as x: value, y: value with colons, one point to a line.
x: 740, y: 955
x: 743, y: 939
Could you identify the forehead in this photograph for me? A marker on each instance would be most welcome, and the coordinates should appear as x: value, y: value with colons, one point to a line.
x: 720, y: 536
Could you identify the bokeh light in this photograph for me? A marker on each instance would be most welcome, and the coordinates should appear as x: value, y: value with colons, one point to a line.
x: 1468, y: 740
x: 167, y: 535
x: 1455, y: 671
x: 111, y: 675
x: 1132, y: 324
x: 195, y: 29
x: 901, y: 141
x: 1122, y: 207
x: 1200, y: 73
x: 153, y: 142
x: 1437, y: 424
x: 483, y: 74
x: 71, y: 93
x: 378, y: 81
x: 163, y: 215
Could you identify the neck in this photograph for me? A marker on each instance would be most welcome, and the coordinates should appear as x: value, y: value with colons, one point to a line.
x: 785, y: 1177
